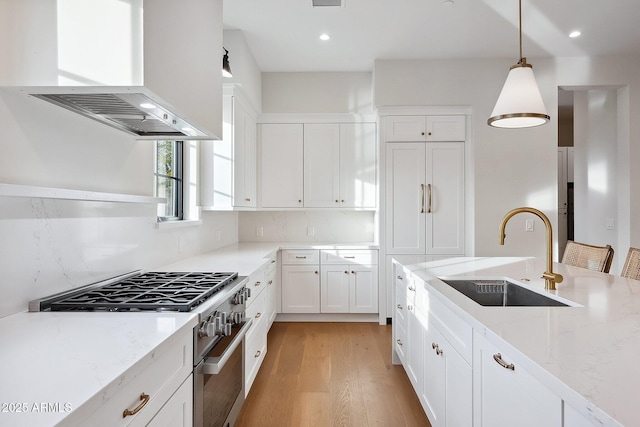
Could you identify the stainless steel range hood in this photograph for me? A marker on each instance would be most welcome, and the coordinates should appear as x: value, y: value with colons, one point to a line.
x: 134, y: 110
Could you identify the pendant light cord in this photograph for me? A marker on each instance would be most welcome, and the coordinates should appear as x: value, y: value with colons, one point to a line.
x: 520, y: 25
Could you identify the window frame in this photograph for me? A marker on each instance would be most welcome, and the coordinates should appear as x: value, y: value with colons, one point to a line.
x: 178, y: 179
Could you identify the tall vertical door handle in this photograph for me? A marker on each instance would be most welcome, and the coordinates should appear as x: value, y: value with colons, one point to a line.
x: 429, y: 198
x: 422, y: 202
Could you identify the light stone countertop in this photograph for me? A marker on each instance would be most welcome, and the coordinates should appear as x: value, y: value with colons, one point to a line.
x: 591, y: 352
x: 69, y: 361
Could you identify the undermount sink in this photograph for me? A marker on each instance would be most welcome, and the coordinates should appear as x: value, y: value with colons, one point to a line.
x: 502, y: 293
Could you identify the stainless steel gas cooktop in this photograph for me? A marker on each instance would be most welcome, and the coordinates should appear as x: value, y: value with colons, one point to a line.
x: 156, y: 291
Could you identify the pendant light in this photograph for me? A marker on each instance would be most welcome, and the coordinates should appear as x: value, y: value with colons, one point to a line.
x: 520, y: 103
x: 226, y: 68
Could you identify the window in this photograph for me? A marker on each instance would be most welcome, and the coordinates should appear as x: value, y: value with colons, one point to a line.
x: 169, y: 180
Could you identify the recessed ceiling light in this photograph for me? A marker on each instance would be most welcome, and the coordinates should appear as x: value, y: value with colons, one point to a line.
x: 448, y: 2
x: 324, y: 37
x: 574, y: 34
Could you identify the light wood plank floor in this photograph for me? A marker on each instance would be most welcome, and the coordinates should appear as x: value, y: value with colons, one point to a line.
x: 331, y: 374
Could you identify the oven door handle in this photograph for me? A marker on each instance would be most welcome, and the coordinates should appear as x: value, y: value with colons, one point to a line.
x: 213, y: 365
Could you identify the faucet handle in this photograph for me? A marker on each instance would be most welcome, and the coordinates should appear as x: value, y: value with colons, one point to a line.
x: 550, y: 280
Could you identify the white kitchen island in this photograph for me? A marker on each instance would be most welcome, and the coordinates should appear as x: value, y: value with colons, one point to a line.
x: 586, y: 355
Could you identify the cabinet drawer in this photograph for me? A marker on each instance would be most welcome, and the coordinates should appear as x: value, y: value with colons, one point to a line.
x: 337, y: 256
x: 256, y: 309
x: 256, y: 284
x: 166, y: 369
x: 271, y: 264
x: 300, y: 256
x: 458, y: 332
x: 255, y: 349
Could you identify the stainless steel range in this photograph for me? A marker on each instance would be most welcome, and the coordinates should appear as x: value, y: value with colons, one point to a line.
x: 218, y: 354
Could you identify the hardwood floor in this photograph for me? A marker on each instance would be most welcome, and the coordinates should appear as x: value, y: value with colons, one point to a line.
x: 330, y: 374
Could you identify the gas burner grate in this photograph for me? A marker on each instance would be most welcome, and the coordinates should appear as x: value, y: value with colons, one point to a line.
x: 150, y: 291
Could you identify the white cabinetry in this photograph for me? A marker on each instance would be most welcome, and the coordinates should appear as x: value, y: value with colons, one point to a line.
x: 507, y: 394
x: 228, y: 166
x: 421, y: 128
x: 300, y: 281
x: 156, y: 387
x: 281, y: 154
x: 425, y: 198
x: 258, y: 309
x: 318, y: 165
x: 178, y: 411
x: 349, y: 281
x: 340, y: 165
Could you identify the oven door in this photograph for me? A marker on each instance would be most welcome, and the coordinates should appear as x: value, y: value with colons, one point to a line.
x: 219, y: 382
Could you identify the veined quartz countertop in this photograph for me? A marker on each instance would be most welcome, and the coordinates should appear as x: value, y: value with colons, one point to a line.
x: 592, y: 352
x: 57, y: 366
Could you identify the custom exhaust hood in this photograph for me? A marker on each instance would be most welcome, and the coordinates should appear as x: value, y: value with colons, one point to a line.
x: 149, y: 68
x: 130, y: 109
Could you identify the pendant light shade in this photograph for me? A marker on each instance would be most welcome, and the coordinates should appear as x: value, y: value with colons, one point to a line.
x: 226, y: 68
x: 520, y: 103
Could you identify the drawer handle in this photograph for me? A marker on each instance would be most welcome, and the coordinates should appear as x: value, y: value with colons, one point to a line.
x: 144, y: 400
x: 247, y: 199
x: 412, y: 288
x: 399, y: 342
x: 257, y: 284
x: 273, y: 261
x: 346, y: 272
x: 436, y: 347
x: 316, y: 271
x: 399, y: 277
x: 399, y: 307
x: 270, y: 282
x: 350, y: 257
x: 353, y: 272
x: 498, y: 358
x: 258, y: 315
x: 258, y: 353
x: 301, y: 257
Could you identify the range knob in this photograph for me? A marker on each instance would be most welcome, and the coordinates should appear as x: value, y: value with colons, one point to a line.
x: 237, y: 317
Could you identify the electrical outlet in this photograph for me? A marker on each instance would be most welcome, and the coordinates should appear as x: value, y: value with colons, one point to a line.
x: 528, y: 225
x: 310, y: 231
x: 259, y: 231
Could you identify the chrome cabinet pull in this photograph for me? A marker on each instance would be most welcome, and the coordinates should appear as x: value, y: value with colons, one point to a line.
x: 399, y: 277
x: 258, y: 353
x: 301, y: 257
x: 144, y: 399
x: 349, y: 256
x: 399, y: 307
x: 429, y: 198
x: 411, y: 288
x: 258, y: 315
x: 399, y: 342
x: 257, y: 284
x: 422, y: 201
x: 498, y: 358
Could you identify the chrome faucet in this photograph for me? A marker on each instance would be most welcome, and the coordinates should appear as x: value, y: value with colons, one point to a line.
x: 550, y: 278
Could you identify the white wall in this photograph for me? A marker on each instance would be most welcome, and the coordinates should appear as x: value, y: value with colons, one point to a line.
x: 310, y: 93
x: 52, y: 245
x: 244, y: 68
x: 512, y: 167
x: 290, y: 226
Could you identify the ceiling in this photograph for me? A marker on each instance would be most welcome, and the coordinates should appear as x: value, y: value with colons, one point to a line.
x: 283, y: 35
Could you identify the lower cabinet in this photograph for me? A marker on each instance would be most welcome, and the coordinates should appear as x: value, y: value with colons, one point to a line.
x: 300, y: 289
x: 508, y: 395
x: 349, y: 288
x: 178, y: 411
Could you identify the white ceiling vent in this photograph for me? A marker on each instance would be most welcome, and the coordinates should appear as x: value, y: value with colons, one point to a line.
x: 325, y: 3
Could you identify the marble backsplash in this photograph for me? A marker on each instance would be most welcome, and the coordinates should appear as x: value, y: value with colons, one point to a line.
x: 50, y: 246
x: 307, y: 226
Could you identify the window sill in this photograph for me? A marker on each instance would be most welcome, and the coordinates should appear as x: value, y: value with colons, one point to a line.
x: 179, y: 224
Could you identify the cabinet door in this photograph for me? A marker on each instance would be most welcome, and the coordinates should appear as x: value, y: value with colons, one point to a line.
x: 334, y: 288
x: 434, y: 377
x: 446, y: 128
x: 244, y: 144
x: 363, y: 288
x: 444, y: 203
x: 358, y: 165
x: 178, y: 411
x: 511, y: 397
x: 405, y: 197
x: 415, y: 353
x: 272, y: 295
x: 281, y: 165
x: 400, y: 320
x: 300, y: 289
x: 321, y: 165
x: 405, y: 128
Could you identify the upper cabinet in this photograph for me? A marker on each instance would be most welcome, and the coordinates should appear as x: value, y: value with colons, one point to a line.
x: 421, y: 128
x: 228, y: 166
x: 318, y: 165
x: 134, y: 47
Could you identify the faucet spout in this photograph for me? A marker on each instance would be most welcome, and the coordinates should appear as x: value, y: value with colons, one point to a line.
x: 550, y: 278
